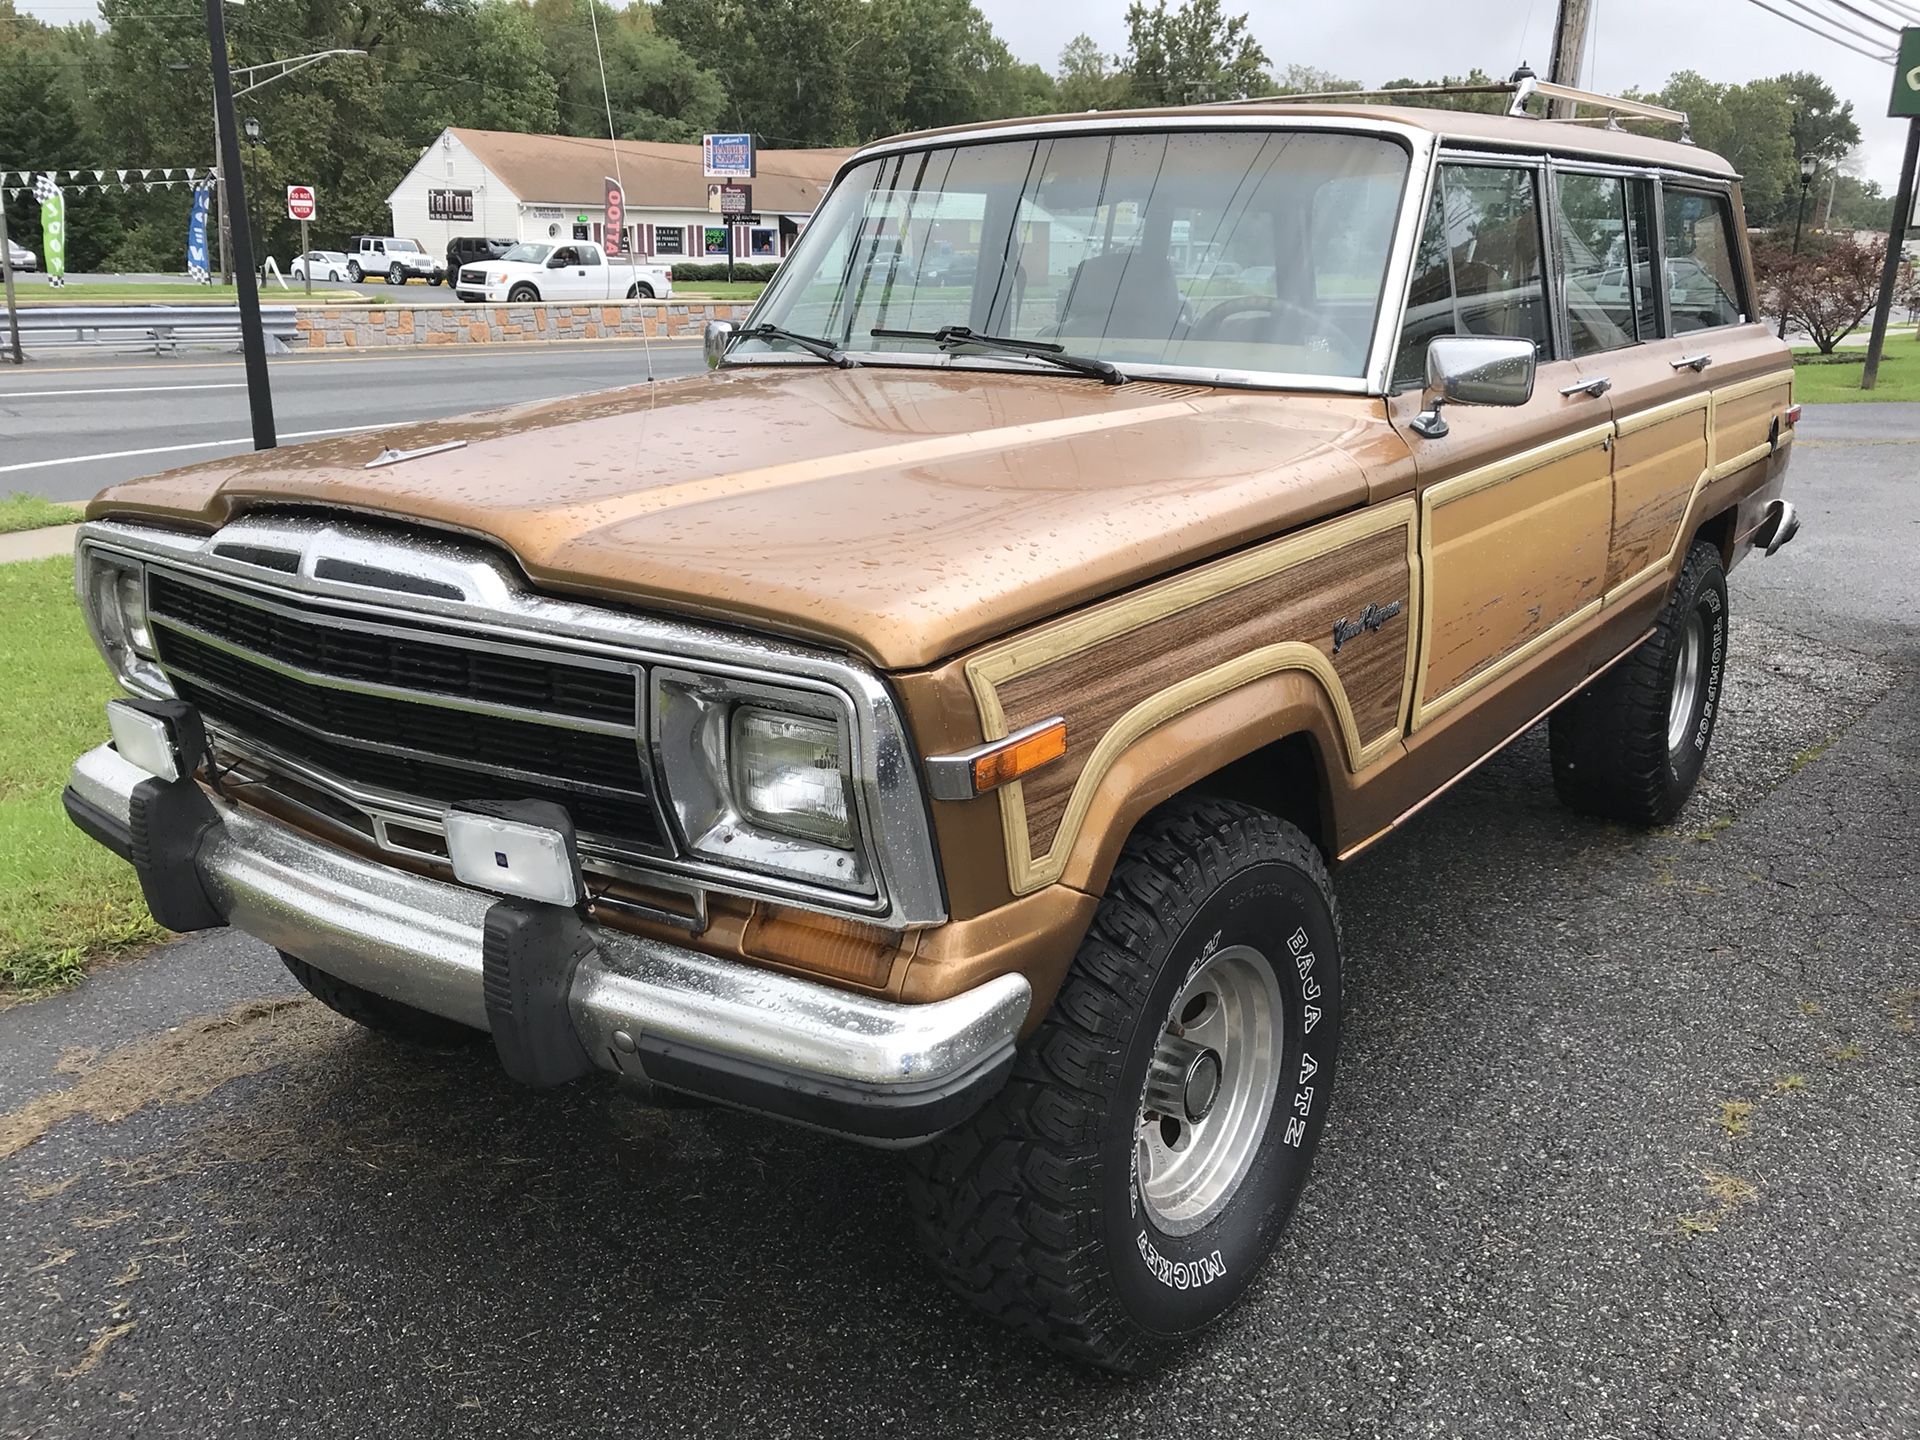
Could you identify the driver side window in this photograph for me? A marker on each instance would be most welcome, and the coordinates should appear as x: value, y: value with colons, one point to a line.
x: 1478, y: 270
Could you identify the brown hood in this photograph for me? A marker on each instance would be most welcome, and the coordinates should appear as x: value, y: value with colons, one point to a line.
x: 906, y: 514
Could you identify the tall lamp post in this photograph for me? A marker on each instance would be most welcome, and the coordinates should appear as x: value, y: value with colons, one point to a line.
x: 1808, y: 164
x: 276, y: 70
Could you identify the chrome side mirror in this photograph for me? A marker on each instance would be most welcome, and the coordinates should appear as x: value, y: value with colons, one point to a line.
x: 714, y: 341
x: 1474, y: 370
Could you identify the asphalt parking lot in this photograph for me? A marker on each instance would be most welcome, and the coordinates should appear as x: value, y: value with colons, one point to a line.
x: 1627, y: 1143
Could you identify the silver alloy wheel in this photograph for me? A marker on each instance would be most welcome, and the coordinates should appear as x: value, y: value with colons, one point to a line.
x: 1687, y: 673
x: 1210, y: 1089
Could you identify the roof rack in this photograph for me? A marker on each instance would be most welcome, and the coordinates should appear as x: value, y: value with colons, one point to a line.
x: 1523, y: 86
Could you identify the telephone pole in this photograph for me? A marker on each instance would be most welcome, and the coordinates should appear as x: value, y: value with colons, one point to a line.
x: 1569, y: 44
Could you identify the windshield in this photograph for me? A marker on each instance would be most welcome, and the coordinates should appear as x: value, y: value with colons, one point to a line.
x: 1217, y: 250
x: 529, y: 254
x: 403, y: 245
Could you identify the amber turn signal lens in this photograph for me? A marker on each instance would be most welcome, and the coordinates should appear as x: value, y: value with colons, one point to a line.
x: 1021, y: 756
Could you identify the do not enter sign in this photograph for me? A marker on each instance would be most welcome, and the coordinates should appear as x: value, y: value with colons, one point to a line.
x: 300, y: 204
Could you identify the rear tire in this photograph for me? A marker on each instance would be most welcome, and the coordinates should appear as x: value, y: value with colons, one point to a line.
x: 640, y: 291
x: 1631, y: 746
x: 1121, y: 1192
x: 354, y: 272
x: 378, y: 1013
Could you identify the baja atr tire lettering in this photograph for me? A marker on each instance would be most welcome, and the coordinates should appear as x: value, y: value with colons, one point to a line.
x: 1180, y: 1274
x: 1717, y: 634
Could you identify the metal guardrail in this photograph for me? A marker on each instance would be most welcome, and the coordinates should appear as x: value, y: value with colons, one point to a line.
x: 166, y: 325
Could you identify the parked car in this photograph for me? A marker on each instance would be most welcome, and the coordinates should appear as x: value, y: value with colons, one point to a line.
x: 940, y: 725
x: 392, y: 257
x: 471, y: 250
x: 322, y: 264
x: 570, y: 270
x: 20, y: 257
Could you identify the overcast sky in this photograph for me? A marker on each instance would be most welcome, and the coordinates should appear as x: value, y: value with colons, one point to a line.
x: 1634, y: 43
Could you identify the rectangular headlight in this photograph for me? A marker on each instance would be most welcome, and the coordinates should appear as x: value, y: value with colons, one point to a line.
x: 760, y: 777
x: 789, y: 774
x: 113, y: 597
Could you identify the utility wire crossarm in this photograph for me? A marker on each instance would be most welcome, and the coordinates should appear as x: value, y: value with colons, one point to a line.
x: 281, y: 69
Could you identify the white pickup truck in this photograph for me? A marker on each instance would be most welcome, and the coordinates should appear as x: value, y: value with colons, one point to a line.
x: 574, y: 270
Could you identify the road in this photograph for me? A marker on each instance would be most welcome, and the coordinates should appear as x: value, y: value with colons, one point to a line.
x: 70, y: 428
x: 1626, y: 1145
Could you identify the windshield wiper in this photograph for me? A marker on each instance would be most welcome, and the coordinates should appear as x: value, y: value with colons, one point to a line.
x: 953, y: 337
x: 812, y: 344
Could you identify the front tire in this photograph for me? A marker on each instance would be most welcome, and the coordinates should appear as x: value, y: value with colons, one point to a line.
x: 379, y: 1014
x: 395, y: 275
x: 1631, y: 746
x: 1122, y: 1191
x: 523, y: 295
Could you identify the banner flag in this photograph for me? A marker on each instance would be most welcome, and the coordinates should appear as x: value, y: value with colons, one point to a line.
x: 197, y: 266
x: 613, y: 230
x: 53, y: 228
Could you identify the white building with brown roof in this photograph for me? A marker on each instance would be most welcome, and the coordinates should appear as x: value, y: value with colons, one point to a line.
x: 548, y: 187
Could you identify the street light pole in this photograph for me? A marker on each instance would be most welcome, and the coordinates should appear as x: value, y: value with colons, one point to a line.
x: 253, y: 340
x: 1808, y: 164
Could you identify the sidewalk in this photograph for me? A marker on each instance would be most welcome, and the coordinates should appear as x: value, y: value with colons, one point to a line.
x: 38, y: 544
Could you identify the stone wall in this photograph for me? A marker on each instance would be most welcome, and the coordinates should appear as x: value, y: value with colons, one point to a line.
x: 364, y: 327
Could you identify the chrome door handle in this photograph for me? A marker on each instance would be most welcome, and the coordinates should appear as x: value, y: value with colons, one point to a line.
x: 1695, y: 363
x: 1595, y: 387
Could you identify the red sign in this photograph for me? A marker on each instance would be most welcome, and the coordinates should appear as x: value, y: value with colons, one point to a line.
x: 614, y: 231
x: 300, y: 204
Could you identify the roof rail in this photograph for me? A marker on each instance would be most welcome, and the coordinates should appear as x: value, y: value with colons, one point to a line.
x: 1523, y: 87
x: 1527, y: 86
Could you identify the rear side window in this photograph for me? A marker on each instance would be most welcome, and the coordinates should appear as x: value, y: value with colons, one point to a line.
x: 1703, y: 283
x: 1478, y: 270
x: 1596, y: 277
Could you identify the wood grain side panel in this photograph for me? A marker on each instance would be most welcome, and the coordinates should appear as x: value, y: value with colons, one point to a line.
x: 1743, y: 416
x: 1657, y: 467
x: 1507, y: 562
x: 1093, y: 687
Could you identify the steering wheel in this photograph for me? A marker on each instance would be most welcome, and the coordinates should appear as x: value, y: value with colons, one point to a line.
x: 1209, y: 325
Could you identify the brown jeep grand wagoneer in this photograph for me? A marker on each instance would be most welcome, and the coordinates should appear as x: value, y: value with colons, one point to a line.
x: 936, y: 724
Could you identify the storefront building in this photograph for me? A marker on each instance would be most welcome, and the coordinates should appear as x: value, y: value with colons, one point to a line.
x: 549, y: 187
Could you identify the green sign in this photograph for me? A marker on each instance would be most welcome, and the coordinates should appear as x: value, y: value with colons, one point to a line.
x: 1906, y: 75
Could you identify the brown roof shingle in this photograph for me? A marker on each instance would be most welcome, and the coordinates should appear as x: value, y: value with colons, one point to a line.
x: 570, y: 170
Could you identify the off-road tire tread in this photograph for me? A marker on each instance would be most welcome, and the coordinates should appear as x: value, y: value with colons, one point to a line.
x: 379, y: 1014
x: 1609, y: 743
x: 1002, y: 1204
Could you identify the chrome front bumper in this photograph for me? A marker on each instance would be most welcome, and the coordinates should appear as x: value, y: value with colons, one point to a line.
x: 872, y: 1068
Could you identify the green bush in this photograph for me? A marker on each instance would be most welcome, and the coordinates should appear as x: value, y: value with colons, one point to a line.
x: 742, y: 270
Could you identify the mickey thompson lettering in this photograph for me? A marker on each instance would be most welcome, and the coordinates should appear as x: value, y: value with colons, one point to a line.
x: 1181, y: 1274
x: 1371, y: 618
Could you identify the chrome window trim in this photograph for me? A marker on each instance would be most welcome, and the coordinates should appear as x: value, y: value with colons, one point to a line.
x: 1195, y: 375
x: 505, y: 610
x: 1374, y: 374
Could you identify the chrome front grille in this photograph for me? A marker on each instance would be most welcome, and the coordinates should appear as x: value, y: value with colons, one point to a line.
x: 426, y: 716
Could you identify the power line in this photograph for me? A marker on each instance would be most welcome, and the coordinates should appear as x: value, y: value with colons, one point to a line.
x: 1880, y: 55
x: 1838, y: 23
x: 1870, y: 18
x: 1900, y: 10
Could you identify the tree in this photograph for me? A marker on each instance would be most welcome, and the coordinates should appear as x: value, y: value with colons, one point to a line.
x: 1826, y: 291
x: 1090, y: 79
x: 512, y: 89
x: 1192, y: 55
x: 1491, y: 104
x: 1310, y: 80
x: 1823, y: 124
